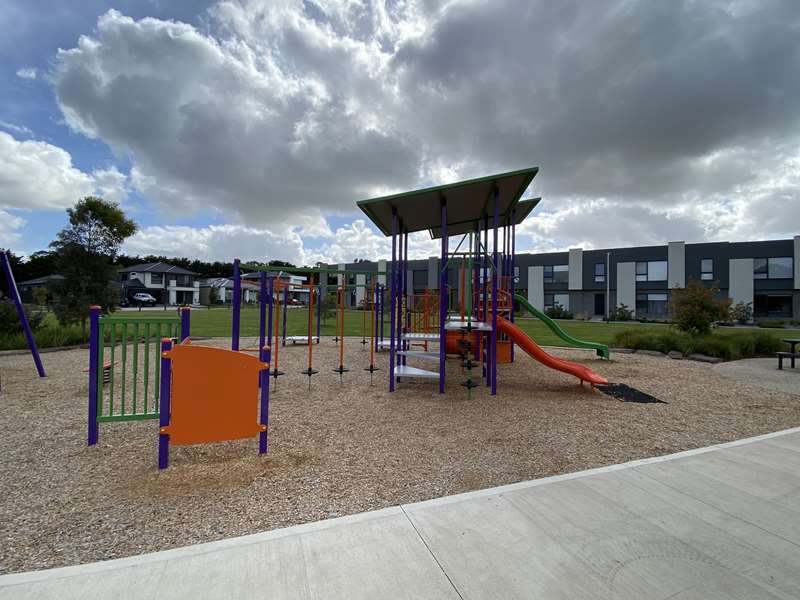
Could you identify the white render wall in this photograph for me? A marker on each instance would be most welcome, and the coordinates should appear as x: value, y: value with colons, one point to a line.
x: 361, y: 281
x: 536, y: 286
x: 433, y: 273
x: 676, y: 265
x: 796, y: 263
x: 740, y: 288
x: 626, y: 285
x: 382, y: 267
x: 575, y: 269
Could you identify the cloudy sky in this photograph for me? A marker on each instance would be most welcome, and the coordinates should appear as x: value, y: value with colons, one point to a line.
x: 250, y: 128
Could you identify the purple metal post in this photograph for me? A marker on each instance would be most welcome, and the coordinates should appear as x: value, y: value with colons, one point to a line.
x: 265, y: 356
x: 375, y: 291
x: 319, y: 307
x: 407, y: 311
x: 485, y: 311
x: 186, y: 313
x: 493, y: 344
x: 285, y: 304
x: 399, y: 291
x: 164, y: 403
x: 262, y: 310
x: 382, y: 297
x: 443, y: 297
x: 23, y: 319
x: 236, y: 302
x: 513, y: 270
x: 93, y: 426
x: 392, y: 286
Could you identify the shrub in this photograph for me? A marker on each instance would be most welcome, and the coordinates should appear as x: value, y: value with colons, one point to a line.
x: 621, y: 313
x: 741, y: 312
x: 733, y: 346
x: 771, y: 324
x: 9, y: 321
x: 694, y: 308
x: 558, y: 312
x: 46, y: 337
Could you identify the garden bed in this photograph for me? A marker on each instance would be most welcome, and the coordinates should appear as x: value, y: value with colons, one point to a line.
x: 336, y: 450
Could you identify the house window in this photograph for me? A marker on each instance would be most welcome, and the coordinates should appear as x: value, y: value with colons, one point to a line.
x: 156, y: 278
x: 654, y: 305
x: 707, y: 269
x: 654, y: 270
x: 553, y: 300
x: 599, y: 272
x: 773, y: 268
x: 765, y: 305
x: 556, y: 273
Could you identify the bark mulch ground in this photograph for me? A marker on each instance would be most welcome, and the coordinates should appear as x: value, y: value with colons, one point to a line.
x: 334, y: 450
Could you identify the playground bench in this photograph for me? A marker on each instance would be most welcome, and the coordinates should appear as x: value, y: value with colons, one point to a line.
x: 784, y: 355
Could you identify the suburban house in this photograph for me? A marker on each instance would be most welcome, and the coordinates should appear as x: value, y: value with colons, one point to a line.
x: 296, y: 293
x: 590, y: 282
x: 251, y: 287
x: 223, y: 286
x: 26, y: 287
x: 167, y: 283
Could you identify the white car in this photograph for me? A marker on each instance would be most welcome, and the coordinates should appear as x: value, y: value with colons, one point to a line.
x: 143, y: 298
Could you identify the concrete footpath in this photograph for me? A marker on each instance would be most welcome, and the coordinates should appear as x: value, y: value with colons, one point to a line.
x: 718, y: 522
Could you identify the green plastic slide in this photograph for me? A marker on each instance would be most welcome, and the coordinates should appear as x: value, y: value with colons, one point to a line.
x: 602, y: 349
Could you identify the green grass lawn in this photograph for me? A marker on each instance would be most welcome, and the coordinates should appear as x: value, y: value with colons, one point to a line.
x: 217, y: 323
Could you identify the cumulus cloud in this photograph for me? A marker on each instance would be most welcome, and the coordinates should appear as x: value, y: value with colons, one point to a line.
x: 225, y: 242
x: 650, y: 121
x: 37, y: 175
x: 28, y: 73
x: 10, y: 226
x: 217, y: 242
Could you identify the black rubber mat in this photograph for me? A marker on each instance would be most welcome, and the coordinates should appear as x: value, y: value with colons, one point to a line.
x: 626, y: 393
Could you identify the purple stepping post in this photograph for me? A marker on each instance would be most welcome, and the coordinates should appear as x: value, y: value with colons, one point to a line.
x: 164, y: 402
x: 93, y: 426
x: 236, y: 301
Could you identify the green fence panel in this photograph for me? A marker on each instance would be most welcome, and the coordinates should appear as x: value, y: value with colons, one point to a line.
x: 129, y: 391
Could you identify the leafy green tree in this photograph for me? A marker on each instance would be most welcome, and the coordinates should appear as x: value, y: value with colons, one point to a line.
x: 694, y: 308
x: 85, y: 251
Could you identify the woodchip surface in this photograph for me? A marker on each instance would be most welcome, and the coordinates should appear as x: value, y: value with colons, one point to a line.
x: 334, y: 450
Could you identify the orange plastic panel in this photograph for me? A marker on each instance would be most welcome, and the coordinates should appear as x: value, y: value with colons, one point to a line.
x: 214, y: 395
x: 503, y: 352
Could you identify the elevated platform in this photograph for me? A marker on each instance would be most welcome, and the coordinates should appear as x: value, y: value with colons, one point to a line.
x: 301, y: 339
x: 420, y: 354
x: 458, y: 325
x: 421, y: 337
x: 407, y: 371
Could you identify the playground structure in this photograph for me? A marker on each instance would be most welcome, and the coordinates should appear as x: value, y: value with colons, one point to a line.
x: 203, y: 394
x: 477, y: 327
x: 13, y: 292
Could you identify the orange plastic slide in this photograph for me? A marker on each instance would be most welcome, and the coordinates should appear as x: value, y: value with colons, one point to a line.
x: 524, y: 341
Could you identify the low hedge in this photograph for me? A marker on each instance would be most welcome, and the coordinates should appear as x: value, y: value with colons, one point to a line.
x: 729, y: 346
x: 46, y: 337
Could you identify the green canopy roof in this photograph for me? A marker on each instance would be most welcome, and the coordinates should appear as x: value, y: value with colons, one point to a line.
x: 467, y: 202
x: 521, y: 211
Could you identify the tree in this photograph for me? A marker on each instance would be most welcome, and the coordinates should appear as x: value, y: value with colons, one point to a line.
x: 694, y: 308
x: 85, y: 252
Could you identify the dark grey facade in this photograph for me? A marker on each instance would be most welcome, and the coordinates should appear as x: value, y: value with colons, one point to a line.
x: 590, y: 282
